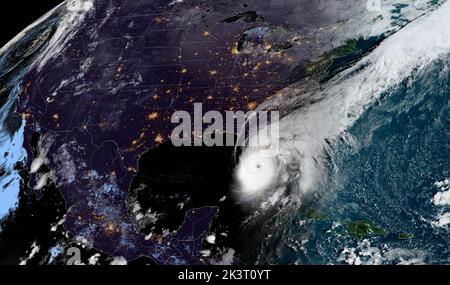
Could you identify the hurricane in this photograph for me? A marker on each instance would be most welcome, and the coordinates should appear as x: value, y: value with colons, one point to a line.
x: 312, y: 135
x: 356, y: 173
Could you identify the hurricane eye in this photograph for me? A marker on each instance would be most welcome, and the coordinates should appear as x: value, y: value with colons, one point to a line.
x: 257, y: 171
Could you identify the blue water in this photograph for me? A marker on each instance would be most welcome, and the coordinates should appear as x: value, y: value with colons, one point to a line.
x: 11, y: 152
x: 402, y: 147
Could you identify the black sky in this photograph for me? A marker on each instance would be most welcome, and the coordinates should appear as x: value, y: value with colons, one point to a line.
x: 16, y: 15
